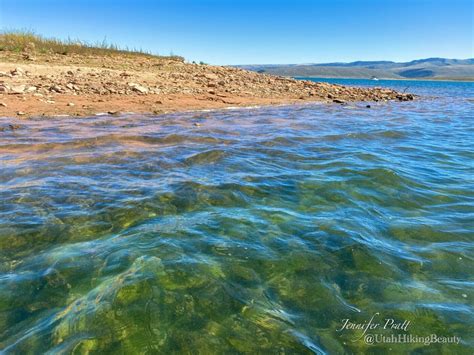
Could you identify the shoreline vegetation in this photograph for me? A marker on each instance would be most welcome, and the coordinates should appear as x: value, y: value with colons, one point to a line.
x: 50, y: 77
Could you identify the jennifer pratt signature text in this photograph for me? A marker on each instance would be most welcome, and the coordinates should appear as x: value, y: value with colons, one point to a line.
x: 374, y: 323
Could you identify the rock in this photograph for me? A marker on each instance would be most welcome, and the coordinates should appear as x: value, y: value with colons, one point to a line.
x: 368, y: 106
x: 17, y: 72
x: 3, y: 104
x: 12, y: 127
x: 71, y: 104
x: 28, y: 56
x: 31, y: 89
x: 404, y: 97
x: 4, y: 89
x: 56, y: 88
x: 20, y: 113
x: 211, y: 76
x: 138, y: 88
x: 30, y: 47
x: 19, y: 89
x: 338, y: 101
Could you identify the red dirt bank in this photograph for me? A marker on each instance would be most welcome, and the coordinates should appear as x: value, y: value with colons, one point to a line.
x: 54, y: 84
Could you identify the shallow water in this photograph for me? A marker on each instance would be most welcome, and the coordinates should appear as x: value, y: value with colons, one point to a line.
x: 241, y: 231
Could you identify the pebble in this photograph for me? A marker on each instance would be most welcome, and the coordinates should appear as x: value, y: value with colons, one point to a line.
x: 17, y: 72
x: 211, y: 76
x: 19, y: 89
x: 139, y: 88
x: 56, y: 88
x: 29, y: 57
x: 3, y: 104
x: 174, y: 79
x: 20, y: 113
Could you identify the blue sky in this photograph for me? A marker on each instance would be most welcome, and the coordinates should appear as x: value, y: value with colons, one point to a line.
x: 252, y: 32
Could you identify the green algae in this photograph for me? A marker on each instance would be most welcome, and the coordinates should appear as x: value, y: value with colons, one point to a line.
x: 234, y: 238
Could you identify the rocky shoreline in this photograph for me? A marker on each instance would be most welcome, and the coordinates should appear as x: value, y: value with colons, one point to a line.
x: 79, y: 85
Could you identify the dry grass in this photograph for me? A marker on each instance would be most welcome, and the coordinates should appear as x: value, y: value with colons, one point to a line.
x: 25, y: 41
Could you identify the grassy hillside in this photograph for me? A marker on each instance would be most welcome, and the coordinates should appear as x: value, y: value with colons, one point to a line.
x: 29, y: 42
x: 431, y: 68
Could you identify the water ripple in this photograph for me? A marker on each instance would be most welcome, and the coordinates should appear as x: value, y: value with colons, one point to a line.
x: 257, y: 231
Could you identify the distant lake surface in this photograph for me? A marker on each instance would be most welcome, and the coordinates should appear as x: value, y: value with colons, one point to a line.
x: 266, y: 230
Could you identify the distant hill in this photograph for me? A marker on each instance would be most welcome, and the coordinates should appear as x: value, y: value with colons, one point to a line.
x: 430, y: 68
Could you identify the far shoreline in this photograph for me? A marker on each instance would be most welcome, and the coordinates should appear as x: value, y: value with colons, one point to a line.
x: 467, y: 80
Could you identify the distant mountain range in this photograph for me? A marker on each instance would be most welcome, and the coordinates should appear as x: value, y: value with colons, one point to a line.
x: 430, y: 68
